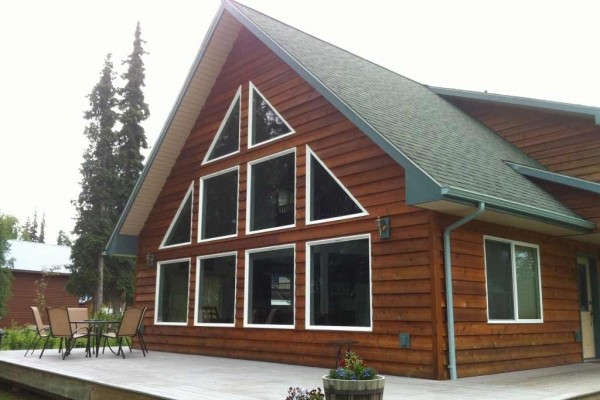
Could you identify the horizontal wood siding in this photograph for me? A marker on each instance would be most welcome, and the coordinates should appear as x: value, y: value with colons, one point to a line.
x: 25, y: 287
x: 565, y: 144
x: 401, y: 277
x: 487, y: 348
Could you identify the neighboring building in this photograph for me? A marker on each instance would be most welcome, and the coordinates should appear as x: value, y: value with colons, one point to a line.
x: 300, y: 194
x: 36, y: 264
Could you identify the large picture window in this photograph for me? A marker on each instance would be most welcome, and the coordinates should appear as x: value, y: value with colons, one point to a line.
x: 270, y: 287
x: 172, y: 291
x: 215, y: 290
x: 271, y: 198
x: 513, y: 281
x: 219, y: 202
x: 339, y: 284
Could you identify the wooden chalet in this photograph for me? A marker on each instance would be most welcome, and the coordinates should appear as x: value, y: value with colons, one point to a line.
x: 299, y: 195
x: 39, y: 270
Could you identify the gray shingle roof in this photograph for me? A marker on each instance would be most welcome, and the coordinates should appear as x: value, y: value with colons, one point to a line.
x: 450, y: 146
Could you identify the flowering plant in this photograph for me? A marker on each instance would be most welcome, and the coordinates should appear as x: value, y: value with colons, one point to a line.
x: 352, y: 368
x: 305, y: 394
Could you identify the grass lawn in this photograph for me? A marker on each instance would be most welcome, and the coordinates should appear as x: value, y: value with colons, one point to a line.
x: 10, y: 392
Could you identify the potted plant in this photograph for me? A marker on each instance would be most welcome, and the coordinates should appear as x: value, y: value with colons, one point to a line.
x: 353, y: 380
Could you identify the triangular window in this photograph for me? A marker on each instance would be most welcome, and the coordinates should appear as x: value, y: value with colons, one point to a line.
x: 180, y: 231
x: 265, y: 124
x: 328, y: 197
x: 227, y: 139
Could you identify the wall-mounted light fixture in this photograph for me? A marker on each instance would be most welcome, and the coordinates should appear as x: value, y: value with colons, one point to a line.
x: 149, y: 259
x: 383, y: 226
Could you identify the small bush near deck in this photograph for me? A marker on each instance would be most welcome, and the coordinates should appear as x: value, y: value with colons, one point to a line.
x: 305, y: 394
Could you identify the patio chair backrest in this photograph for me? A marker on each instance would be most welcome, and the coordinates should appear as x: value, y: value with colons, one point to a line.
x: 59, y: 322
x: 78, y: 314
x: 38, y: 319
x: 142, y: 318
x: 130, y: 322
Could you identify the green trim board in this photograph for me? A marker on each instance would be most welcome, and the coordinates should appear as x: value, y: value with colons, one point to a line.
x: 575, y: 109
x: 561, y: 179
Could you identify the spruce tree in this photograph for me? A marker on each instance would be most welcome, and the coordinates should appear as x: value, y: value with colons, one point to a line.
x: 42, y: 237
x: 33, y: 229
x: 95, y: 207
x: 131, y: 139
x: 9, y: 227
x: 62, y: 239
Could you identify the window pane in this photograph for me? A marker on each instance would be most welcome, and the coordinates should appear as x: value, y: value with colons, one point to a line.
x: 339, y: 284
x: 181, y: 232
x: 216, y: 300
x: 266, y: 123
x: 229, y: 137
x: 173, y: 292
x: 329, y: 200
x: 271, y: 282
x: 499, y: 280
x: 272, y: 202
x: 528, y: 287
x: 219, y: 205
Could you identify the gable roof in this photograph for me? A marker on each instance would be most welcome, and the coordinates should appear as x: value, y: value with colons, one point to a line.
x: 447, y: 155
x: 39, y: 257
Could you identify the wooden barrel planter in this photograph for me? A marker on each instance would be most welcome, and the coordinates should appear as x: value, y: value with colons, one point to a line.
x: 340, y: 389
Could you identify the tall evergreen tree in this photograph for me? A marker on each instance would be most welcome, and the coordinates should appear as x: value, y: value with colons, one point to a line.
x: 33, y: 229
x: 131, y: 139
x: 96, y: 210
x: 42, y: 237
x: 9, y: 227
x: 62, y: 239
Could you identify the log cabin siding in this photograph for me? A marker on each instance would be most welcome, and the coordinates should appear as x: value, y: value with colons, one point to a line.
x: 402, y: 299
x: 25, y: 287
x: 564, y: 144
x: 488, y: 348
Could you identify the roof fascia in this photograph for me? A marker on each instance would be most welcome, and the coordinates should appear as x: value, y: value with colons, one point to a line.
x: 394, y: 152
x: 554, y: 177
x: 514, y: 208
x: 113, y: 242
x: 575, y: 109
x: 122, y: 245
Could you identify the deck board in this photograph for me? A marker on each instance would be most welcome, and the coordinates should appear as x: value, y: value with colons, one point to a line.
x: 182, y: 376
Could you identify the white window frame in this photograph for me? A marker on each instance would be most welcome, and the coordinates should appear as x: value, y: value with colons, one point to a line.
x: 156, y: 294
x: 196, y: 311
x: 308, y: 310
x: 236, y: 98
x: 249, y: 191
x: 251, y: 145
x: 247, y: 324
x: 515, y: 319
x: 176, y: 217
x: 309, y: 192
x: 201, y: 204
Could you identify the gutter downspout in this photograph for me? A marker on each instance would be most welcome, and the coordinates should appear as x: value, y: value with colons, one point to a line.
x: 449, y: 294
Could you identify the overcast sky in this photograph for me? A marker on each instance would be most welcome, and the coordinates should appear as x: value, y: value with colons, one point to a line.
x: 52, y: 53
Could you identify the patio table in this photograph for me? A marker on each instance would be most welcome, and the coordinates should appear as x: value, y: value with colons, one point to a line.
x: 96, y: 327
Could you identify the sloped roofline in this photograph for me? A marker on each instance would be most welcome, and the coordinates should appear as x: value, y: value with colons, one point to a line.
x: 554, y: 177
x: 424, y: 188
x: 574, y: 109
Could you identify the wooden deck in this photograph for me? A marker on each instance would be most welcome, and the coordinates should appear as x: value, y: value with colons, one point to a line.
x: 180, y: 376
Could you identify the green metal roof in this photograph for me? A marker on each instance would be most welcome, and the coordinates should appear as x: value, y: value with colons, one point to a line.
x: 434, y: 140
x: 575, y: 109
x: 447, y: 155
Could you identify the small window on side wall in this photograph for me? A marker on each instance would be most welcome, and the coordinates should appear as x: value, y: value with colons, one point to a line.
x: 514, y: 292
x: 265, y: 123
x: 227, y: 140
x: 215, y: 290
x: 339, y: 284
x: 270, y: 287
x: 180, y: 230
x: 172, y: 292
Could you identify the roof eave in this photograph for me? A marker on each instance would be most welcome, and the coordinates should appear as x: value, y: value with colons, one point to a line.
x: 554, y: 177
x: 115, y: 238
x: 574, y: 109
